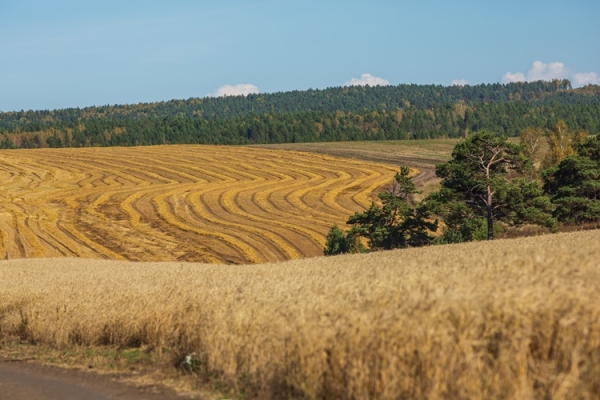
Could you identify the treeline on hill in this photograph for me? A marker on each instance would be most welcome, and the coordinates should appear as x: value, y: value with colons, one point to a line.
x: 489, y: 185
x: 335, y: 114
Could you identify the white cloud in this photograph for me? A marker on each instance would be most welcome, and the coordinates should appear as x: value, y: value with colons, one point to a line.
x: 585, y: 78
x: 242, y: 89
x: 459, y: 82
x: 367, y: 79
x: 540, y: 71
x: 516, y: 77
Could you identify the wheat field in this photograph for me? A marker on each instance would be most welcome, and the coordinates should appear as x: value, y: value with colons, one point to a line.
x: 508, y: 319
x: 178, y: 203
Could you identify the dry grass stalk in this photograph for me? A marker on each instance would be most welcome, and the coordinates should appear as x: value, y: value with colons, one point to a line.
x: 509, y: 319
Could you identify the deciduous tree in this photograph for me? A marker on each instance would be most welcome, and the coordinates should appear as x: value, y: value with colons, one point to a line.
x: 562, y: 142
x: 531, y: 141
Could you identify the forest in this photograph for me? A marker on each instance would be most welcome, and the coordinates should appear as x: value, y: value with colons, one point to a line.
x: 333, y: 114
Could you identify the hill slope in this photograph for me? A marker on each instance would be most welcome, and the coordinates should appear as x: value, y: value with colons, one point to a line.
x: 334, y: 114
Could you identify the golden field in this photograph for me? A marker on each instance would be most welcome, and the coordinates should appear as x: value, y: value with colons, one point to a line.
x: 178, y: 203
x: 508, y: 319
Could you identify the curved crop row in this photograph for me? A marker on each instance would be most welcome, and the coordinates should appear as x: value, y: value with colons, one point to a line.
x: 189, y: 203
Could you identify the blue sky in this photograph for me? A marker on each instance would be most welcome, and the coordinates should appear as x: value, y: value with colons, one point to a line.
x: 65, y: 53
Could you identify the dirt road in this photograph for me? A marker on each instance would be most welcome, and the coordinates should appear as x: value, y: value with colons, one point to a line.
x: 25, y: 380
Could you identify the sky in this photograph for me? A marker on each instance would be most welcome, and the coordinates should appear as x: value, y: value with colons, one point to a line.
x: 72, y: 53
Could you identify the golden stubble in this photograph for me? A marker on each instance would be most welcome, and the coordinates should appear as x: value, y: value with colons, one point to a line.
x: 212, y: 204
x: 512, y: 319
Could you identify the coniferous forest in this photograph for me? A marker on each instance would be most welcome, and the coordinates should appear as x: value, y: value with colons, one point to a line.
x: 333, y: 114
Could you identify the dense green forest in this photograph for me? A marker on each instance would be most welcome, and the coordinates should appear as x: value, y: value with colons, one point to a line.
x: 334, y: 114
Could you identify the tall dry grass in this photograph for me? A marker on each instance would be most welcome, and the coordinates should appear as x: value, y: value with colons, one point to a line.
x: 510, y: 319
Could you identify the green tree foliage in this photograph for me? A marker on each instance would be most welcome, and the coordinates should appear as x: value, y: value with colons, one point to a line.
x: 527, y: 203
x: 482, y: 183
x: 336, y: 242
x: 461, y: 222
x: 394, y: 224
x: 574, y: 184
x: 479, y: 182
x: 355, y: 113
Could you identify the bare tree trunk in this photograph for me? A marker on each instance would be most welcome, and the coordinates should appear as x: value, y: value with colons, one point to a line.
x: 490, y: 221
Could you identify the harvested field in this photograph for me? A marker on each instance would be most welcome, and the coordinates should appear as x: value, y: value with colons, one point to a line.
x: 420, y: 154
x: 188, y: 203
x: 508, y: 319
